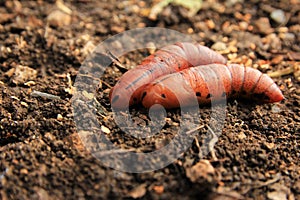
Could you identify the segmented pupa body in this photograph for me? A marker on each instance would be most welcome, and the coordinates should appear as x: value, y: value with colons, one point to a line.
x: 168, y: 60
x: 212, y: 81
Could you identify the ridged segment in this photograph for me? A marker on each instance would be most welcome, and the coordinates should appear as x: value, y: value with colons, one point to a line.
x: 168, y: 60
x: 211, y: 82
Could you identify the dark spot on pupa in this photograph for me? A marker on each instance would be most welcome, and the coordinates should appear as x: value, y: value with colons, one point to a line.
x: 143, y: 95
x: 135, y: 99
x: 163, y: 96
x: 115, y: 99
x: 208, y: 96
x: 233, y: 92
x: 198, y: 94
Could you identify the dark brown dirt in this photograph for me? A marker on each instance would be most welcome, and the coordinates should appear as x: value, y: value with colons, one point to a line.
x: 256, y: 156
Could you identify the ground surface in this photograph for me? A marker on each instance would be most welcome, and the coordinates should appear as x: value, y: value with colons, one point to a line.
x: 42, y: 46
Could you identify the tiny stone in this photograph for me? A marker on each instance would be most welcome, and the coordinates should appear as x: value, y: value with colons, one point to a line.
x: 24, y: 104
x: 59, y: 117
x: 219, y: 46
x: 233, y: 49
x: 270, y: 146
x: 287, y: 36
x: 159, y: 189
x: 263, y: 25
x: 278, y: 16
x: 276, y: 195
x: 275, y: 109
x: 241, y: 135
x: 283, y: 29
x: 24, y: 171
x: 243, y: 25
x: 277, y: 59
x: 88, y: 48
x: 58, y: 18
x: 87, y: 94
x: 105, y: 129
x: 23, y: 74
x: 210, y: 24
x: 232, y: 56
x: 190, y: 30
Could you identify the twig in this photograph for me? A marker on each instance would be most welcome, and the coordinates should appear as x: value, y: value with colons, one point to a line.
x: 269, y: 182
x: 116, y: 61
x: 35, y: 93
x: 212, y: 143
x: 195, y: 129
x: 282, y: 72
x: 109, y: 86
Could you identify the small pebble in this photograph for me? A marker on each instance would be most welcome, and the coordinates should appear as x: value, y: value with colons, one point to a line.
x: 219, y: 46
x: 269, y: 145
x: 243, y: 25
x: 105, y: 129
x: 230, y: 3
x: 210, y: 24
x: 24, y: 171
x: 60, y: 117
x: 159, y: 189
x: 277, y: 195
x: 23, y: 74
x: 88, y: 48
x: 263, y: 25
x: 87, y: 94
x: 151, y: 46
x: 278, y: 16
x: 241, y: 135
x: 24, y: 104
x: 59, y: 18
x: 275, y: 109
x: 283, y: 29
x: 117, y: 29
x: 287, y: 36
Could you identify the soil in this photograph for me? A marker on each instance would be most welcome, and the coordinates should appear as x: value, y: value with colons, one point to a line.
x: 42, y: 47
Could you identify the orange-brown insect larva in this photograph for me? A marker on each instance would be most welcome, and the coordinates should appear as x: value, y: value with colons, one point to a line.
x: 170, y: 59
x: 212, y: 81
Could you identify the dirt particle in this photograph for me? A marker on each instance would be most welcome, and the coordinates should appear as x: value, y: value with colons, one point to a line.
x: 22, y: 74
x: 203, y: 171
x: 159, y: 189
x: 59, y: 18
x: 219, y: 46
x: 59, y: 117
x: 263, y: 25
x: 105, y: 129
x: 138, y: 192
